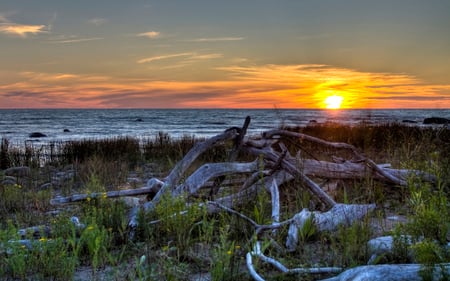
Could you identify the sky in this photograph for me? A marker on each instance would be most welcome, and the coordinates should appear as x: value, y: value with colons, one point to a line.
x: 224, y: 54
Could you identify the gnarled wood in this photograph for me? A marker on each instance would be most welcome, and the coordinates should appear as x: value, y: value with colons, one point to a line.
x: 340, y: 214
x: 390, y: 272
x: 203, y: 174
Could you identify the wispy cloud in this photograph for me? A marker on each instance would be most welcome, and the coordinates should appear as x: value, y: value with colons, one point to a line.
x: 163, y: 57
x: 21, y: 30
x: 75, y: 40
x: 150, y: 34
x: 3, y: 18
x: 98, y: 21
x: 50, y: 22
x: 205, y: 56
x: 187, y: 57
x: 216, y: 39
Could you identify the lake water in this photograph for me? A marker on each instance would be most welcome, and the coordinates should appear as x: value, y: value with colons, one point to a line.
x: 17, y: 124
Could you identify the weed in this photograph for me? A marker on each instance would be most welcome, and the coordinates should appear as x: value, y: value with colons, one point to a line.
x: 178, y: 219
x: 224, y: 266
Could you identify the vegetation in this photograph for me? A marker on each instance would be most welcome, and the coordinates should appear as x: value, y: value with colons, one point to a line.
x: 170, y: 246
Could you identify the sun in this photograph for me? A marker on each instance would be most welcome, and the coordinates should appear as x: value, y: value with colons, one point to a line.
x: 333, y: 102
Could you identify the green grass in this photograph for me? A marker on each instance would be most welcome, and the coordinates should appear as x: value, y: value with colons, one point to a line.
x: 180, y: 245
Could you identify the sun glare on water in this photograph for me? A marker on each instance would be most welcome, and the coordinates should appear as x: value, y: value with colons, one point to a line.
x: 333, y: 102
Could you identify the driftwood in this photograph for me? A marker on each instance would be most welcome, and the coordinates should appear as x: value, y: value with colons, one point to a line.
x: 110, y: 194
x: 340, y: 214
x: 273, y: 167
x: 391, y: 272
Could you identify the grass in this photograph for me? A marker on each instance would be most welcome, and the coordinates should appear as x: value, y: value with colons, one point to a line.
x: 197, y: 243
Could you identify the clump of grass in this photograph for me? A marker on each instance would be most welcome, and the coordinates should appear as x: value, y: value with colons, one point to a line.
x: 4, y: 157
x: 124, y: 149
x: 42, y: 259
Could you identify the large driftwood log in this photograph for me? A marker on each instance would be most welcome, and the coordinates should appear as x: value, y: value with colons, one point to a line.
x: 203, y: 174
x: 340, y: 214
x: 180, y: 168
x: 110, y: 194
x: 390, y: 272
x: 271, y: 155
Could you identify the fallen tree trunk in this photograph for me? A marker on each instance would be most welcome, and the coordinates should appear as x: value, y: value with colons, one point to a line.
x: 391, y: 272
x: 340, y: 214
x: 110, y: 194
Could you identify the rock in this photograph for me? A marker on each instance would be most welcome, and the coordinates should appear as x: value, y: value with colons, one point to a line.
x: 436, y: 120
x: 22, y: 171
x: 131, y: 201
x: 134, y: 180
x: 37, y: 135
x: 384, y: 246
x: 8, y: 181
x: 206, y: 276
x: 60, y: 178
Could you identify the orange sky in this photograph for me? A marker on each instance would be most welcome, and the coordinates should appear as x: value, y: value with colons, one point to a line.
x: 175, y: 54
x: 267, y: 86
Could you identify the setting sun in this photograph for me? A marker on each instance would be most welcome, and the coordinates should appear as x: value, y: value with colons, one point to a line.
x: 333, y: 102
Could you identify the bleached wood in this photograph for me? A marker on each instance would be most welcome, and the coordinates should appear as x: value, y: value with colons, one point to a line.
x: 211, y: 170
x: 180, y: 168
x: 109, y: 194
x: 389, y: 272
x: 337, y: 145
x: 296, y: 172
x: 340, y: 214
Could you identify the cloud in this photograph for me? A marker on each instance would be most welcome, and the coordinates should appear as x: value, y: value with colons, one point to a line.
x: 50, y: 22
x: 76, y: 40
x: 150, y: 34
x: 3, y: 18
x: 205, y: 56
x: 216, y: 39
x: 187, y: 57
x: 98, y: 21
x: 257, y: 86
x: 163, y: 57
x: 21, y: 30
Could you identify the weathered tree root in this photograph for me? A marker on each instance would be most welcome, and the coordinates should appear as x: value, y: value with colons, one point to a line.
x: 391, y: 272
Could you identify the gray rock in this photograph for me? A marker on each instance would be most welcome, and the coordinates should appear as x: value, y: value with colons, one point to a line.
x: 9, y: 180
x: 22, y: 171
x: 436, y: 120
x: 37, y: 135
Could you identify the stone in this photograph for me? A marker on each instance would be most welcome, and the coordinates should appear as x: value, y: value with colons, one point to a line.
x: 37, y: 135
x: 436, y: 120
x: 8, y: 181
x: 21, y: 171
